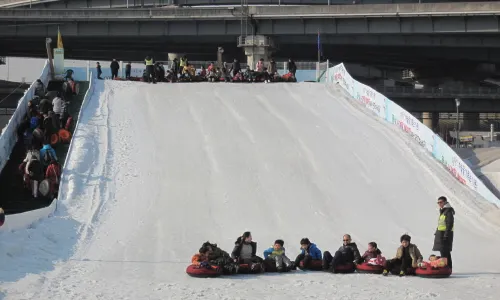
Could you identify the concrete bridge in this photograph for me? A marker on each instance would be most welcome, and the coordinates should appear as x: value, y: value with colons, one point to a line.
x: 436, y: 100
x: 188, y: 3
x: 399, y: 34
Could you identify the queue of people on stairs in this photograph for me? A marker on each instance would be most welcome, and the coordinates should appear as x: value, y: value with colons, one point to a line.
x: 43, y: 119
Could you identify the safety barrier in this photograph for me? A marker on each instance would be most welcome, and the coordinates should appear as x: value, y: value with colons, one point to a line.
x: 393, y: 113
x: 8, y: 138
x: 86, y: 99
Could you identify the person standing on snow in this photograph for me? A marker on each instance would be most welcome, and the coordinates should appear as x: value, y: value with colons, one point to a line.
x: 128, y: 69
x: 443, y: 238
x: 150, y: 71
x: 292, y: 68
x: 99, y: 70
x: 114, y: 66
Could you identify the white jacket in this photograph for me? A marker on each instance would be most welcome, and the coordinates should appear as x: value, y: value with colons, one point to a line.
x: 32, y: 154
x: 58, y: 105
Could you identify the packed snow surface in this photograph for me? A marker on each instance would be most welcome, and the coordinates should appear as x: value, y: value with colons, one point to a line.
x: 156, y: 170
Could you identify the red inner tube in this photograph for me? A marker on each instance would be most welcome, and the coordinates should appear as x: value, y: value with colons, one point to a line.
x: 345, y: 268
x: 433, y: 272
x: 315, y: 265
x: 196, y: 271
x: 370, y: 269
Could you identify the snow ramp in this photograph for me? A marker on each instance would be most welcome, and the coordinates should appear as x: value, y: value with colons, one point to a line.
x: 156, y: 170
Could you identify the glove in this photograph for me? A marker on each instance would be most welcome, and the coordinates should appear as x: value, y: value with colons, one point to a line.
x: 204, y: 264
x: 445, y: 236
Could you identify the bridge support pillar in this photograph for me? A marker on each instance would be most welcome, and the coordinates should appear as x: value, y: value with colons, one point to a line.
x: 256, y: 47
x: 471, y: 121
x: 430, y: 120
x: 171, y: 56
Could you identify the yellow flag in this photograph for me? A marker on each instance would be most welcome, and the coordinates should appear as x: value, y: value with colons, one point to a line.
x: 59, y: 39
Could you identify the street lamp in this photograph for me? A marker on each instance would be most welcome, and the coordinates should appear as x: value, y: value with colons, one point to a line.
x: 457, y: 102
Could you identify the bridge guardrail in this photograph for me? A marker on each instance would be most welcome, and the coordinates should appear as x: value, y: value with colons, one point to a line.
x: 260, y: 12
x: 466, y: 92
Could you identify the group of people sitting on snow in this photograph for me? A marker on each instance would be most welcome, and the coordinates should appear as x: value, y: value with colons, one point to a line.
x: 43, y: 119
x: 182, y: 70
x: 407, y: 259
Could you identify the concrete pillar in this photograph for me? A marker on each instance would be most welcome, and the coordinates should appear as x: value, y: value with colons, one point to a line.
x: 431, y: 120
x: 471, y: 121
x: 256, y: 47
x: 171, y: 56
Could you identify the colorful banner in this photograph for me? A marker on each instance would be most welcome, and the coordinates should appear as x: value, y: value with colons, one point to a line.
x: 424, y: 136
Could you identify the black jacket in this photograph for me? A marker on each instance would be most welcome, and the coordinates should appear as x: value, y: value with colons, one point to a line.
x: 236, y: 67
x: 237, y: 248
x: 350, y: 252
x: 292, y: 67
x: 45, y: 106
x: 36, y: 170
x: 443, y: 240
x: 114, y: 65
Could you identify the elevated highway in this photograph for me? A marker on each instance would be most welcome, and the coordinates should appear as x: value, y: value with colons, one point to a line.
x: 402, y: 33
x: 190, y: 3
x: 473, y: 100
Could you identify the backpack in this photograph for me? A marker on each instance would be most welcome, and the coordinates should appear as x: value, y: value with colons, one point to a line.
x: 34, y: 122
x: 47, y: 157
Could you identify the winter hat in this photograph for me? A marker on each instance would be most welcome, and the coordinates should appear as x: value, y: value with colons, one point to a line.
x: 246, y: 234
x: 305, y: 241
x: 280, y: 242
x: 405, y: 237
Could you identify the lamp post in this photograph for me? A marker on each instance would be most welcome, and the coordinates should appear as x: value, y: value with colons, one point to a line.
x: 457, y: 102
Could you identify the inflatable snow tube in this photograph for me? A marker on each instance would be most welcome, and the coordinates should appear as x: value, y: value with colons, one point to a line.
x: 44, y: 187
x: 315, y: 265
x: 196, y: 271
x: 247, y: 268
x: 444, y: 272
x: 54, y: 139
x: 369, y: 269
x: 67, y: 126
x: 345, y: 268
x: 64, y: 136
x: 2, y: 217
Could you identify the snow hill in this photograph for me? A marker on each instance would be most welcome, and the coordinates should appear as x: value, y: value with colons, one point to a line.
x: 156, y: 170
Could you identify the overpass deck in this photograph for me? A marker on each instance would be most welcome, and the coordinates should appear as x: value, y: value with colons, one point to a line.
x: 258, y: 12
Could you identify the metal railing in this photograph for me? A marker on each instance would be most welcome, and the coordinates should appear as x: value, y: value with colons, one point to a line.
x: 301, y: 65
x: 465, y: 92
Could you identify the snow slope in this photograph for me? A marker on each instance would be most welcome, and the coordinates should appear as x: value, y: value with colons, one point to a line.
x: 158, y: 169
